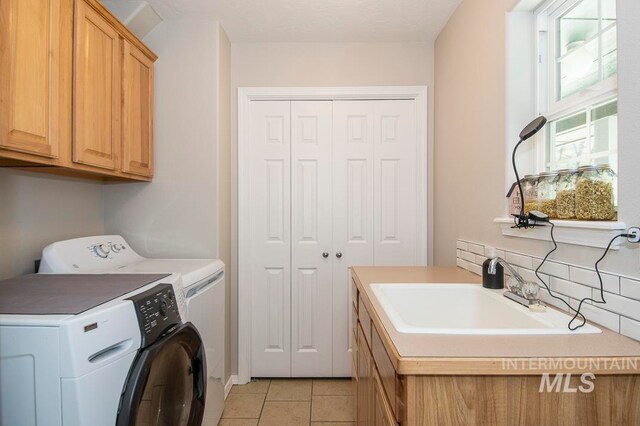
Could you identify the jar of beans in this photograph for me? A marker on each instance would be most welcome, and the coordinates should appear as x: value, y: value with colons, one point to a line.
x: 530, y: 189
x: 595, y: 198
x: 566, y: 194
x: 547, y: 194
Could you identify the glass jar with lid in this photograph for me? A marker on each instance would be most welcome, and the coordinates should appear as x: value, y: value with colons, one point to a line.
x: 530, y: 189
x: 566, y: 194
x: 547, y: 194
x: 595, y: 197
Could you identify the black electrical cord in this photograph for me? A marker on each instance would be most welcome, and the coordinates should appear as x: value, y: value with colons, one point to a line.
x: 555, y: 247
x: 603, y: 301
x: 577, y: 312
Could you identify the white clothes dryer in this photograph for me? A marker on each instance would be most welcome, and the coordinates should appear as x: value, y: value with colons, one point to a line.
x: 202, y: 280
x: 98, y: 350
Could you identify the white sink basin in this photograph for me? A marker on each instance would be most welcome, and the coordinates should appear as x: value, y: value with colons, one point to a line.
x: 465, y: 309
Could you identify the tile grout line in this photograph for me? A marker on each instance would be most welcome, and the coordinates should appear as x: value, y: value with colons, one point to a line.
x: 264, y: 402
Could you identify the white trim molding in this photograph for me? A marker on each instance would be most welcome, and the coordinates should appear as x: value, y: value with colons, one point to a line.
x: 248, y: 94
x: 233, y: 380
x: 581, y: 233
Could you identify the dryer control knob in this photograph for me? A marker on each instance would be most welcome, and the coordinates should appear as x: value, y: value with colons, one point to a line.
x: 162, y: 309
x: 102, y: 250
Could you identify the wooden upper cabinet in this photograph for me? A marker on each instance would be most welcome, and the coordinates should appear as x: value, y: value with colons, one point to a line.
x: 35, y: 78
x: 137, y: 83
x: 97, y: 106
x: 76, y: 90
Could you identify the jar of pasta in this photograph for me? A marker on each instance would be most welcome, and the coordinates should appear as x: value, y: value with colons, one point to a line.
x: 595, y: 198
x: 530, y: 189
x: 547, y: 194
x: 566, y: 194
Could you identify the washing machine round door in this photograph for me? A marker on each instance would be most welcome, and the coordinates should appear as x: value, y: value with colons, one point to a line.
x: 167, y: 382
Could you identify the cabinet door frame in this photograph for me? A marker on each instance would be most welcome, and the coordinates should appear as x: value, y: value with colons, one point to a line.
x: 246, y: 95
x: 129, y: 164
x: 81, y: 153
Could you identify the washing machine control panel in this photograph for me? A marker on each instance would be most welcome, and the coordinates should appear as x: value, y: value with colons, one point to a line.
x: 157, y: 311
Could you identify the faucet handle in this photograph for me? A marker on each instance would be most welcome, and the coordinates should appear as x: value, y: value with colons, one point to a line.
x: 514, y: 285
x: 530, y: 290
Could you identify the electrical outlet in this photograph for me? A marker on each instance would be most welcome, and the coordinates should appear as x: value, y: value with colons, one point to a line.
x: 634, y: 235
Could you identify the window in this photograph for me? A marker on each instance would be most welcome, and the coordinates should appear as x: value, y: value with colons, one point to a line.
x: 577, y: 80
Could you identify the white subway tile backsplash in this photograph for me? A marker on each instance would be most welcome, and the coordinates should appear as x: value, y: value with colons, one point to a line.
x: 462, y: 245
x: 476, y: 248
x: 552, y: 268
x: 567, y: 288
x: 572, y: 283
x: 519, y: 260
x: 630, y: 328
x: 630, y: 288
x: 611, y: 283
x: 546, y: 298
x: 620, y: 305
x: 476, y: 269
x: 530, y: 275
x: 462, y: 263
x: 468, y: 256
x: 480, y: 259
x: 599, y: 316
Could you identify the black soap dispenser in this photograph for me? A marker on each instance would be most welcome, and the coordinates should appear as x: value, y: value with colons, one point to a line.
x: 492, y: 281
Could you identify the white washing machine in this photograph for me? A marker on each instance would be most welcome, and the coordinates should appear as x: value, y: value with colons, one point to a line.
x: 202, y: 279
x: 79, y: 350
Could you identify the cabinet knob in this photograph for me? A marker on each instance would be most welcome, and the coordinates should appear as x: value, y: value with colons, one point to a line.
x: 339, y: 254
x: 325, y: 254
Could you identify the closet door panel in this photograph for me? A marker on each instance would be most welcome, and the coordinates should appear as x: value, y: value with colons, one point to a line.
x: 395, y: 184
x: 311, y: 279
x: 353, y: 236
x: 270, y: 239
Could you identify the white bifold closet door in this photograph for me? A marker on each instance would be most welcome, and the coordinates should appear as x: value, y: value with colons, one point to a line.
x: 311, y: 221
x: 333, y: 185
x: 270, y: 163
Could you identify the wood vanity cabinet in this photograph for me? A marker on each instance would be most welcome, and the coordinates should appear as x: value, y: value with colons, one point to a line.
x: 372, y: 395
x: 76, y: 91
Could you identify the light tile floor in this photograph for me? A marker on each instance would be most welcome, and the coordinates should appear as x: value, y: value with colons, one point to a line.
x: 290, y: 402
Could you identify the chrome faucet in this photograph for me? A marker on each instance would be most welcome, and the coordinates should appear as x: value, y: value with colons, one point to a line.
x: 514, y: 292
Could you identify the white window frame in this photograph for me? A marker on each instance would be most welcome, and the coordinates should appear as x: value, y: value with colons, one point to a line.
x: 580, y: 233
x: 546, y: 81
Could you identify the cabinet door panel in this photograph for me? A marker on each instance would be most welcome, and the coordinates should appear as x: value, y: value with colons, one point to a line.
x: 311, y: 219
x: 137, y: 80
x: 35, y: 69
x: 270, y: 161
x: 365, y: 384
x: 382, y: 415
x: 97, y: 94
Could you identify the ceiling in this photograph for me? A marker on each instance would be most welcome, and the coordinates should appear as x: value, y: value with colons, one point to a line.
x: 253, y: 21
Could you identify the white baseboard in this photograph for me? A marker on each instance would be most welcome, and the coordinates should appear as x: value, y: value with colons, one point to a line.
x: 233, y: 380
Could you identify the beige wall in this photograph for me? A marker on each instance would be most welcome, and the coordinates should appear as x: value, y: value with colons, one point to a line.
x: 470, y: 141
x: 224, y: 177
x: 37, y: 209
x: 320, y: 64
x: 184, y: 212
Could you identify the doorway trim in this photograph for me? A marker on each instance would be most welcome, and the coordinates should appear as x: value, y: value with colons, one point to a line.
x: 248, y: 94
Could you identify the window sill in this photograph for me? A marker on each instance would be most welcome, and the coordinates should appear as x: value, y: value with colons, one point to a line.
x: 581, y: 233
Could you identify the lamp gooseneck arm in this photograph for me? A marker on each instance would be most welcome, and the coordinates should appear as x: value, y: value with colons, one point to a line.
x: 515, y: 170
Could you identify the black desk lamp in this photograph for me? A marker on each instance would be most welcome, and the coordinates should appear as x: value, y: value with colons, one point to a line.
x: 522, y: 220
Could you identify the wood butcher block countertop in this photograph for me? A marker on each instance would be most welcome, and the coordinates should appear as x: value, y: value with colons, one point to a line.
x: 416, y: 354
